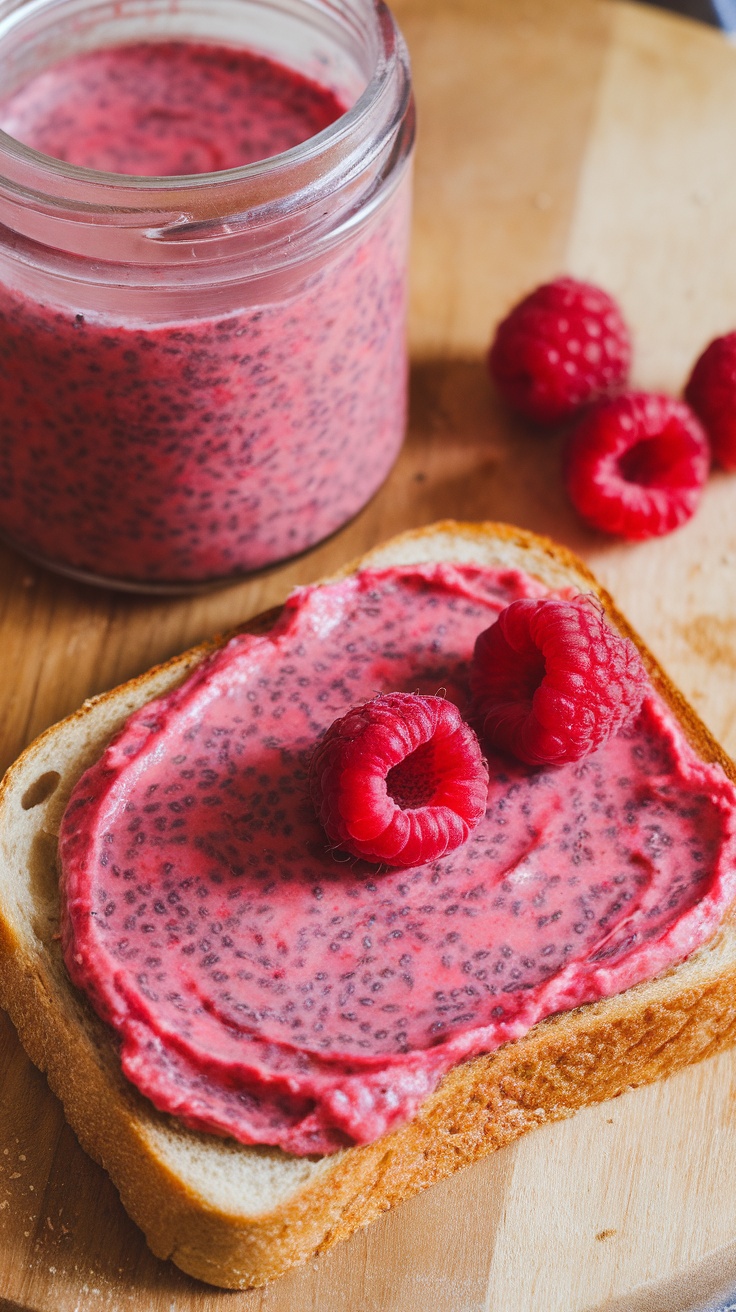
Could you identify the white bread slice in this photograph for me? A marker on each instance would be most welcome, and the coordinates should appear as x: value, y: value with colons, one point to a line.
x: 239, y: 1216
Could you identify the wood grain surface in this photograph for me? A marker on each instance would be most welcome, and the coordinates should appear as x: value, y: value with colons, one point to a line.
x: 555, y: 135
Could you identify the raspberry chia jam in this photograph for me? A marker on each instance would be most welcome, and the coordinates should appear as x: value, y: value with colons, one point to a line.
x: 202, y: 280
x: 262, y: 987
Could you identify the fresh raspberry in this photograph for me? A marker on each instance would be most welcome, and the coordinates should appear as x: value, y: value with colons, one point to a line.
x: 564, y: 345
x: 400, y: 779
x: 636, y: 465
x: 711, y: 391
x: 552, y: 681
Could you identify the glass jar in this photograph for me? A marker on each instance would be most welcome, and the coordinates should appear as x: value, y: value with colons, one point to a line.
x: 202, y: 375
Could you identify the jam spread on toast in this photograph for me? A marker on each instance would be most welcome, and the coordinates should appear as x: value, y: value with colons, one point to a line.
x: 264, y: 987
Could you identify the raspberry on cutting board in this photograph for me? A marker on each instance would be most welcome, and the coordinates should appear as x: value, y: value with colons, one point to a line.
x: 636, y: 465
x: 562, y: 346
x: 552, y: 681
x: 711, y: 391
x: 400, y: 779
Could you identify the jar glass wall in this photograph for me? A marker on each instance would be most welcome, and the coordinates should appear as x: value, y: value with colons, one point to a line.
x: 202, y: 375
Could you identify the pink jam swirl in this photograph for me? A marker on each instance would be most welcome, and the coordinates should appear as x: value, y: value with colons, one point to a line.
x: 263, y: 989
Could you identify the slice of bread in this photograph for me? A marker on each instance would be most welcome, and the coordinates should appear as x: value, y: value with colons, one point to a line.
x: 239, y: 1216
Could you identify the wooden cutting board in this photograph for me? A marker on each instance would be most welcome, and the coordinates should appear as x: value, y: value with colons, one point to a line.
x: 555, y: 135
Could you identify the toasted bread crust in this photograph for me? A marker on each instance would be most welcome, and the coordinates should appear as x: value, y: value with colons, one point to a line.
x: 266, y: 1211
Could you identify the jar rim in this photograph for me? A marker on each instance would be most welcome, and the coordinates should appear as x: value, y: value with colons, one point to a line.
x: 292, y: 179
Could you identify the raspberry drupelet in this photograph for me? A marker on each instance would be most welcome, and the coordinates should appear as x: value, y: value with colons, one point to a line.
x: 400, y: 780
x: 552, y: 681
x: 711, y: 391
x: 562, y: 346
x: 637, y: 464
